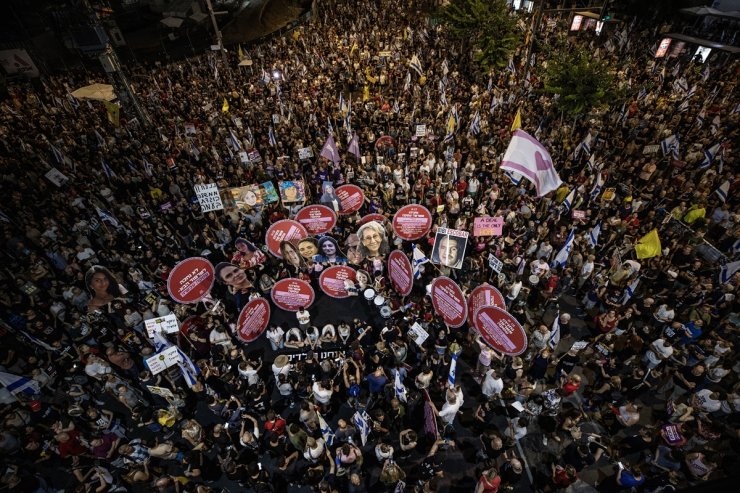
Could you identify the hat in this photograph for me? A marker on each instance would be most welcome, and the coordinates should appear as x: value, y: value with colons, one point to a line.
x: 35, y: 405
x: 281, y: 361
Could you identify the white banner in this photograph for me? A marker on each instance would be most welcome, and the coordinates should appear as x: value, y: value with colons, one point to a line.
x: 421, y: 130
x: 166, y: 324
x: 305, y: 153
x: 161, y: 361
x: 208, y: 197
x: 418, y: 334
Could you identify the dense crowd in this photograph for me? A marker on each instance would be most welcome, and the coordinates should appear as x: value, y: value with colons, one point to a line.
x: 638, y: 388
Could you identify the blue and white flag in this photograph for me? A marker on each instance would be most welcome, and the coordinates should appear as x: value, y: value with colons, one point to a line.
x: 234, y: 141
x: 107, y: 169
x: 329, y: 126
x: 555, y: 332
x: 596, y: 190
x: 629, y: 291
x: 415, y: 64
x: 723, y: 191
x: 418, y: 259
x: 342, y: 107
x: 407, y: 83
x: 569, y: 200
x: 728, y: 270
x: 362, y: 423
x: 562, y: 257
x: 17, y: 384
x: 709, y: 156
x: 271, y: 137
x: 58, y: 156
x: 326, y: 432
x: 453, y: 369
x: 714, y: 126
x: 670, y: 145
x: 475, y: 124
x: 684, y: 106
x: 691, y: 92
x: 510, y: 66
x: 642, y: 94
x: 514, y: 177
x: 445, y: 67
x: 107, y: 217
x: 148, y: 168
x: 99, y: 138
x: 443, y: 99
x: 399, y: 388
x: 584, y: 146
x: 623, y: 113
x: 189, y: 370
x: 593, y: 236
x: 701, y: 118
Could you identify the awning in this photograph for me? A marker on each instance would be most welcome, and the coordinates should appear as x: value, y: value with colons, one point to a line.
x: 704, y: 42
x: 97, y: 92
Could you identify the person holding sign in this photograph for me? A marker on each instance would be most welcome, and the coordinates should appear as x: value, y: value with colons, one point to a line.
x: 449, y: 251
x: 247, y: 255
x: 237, y: 281
x: 329, y: 197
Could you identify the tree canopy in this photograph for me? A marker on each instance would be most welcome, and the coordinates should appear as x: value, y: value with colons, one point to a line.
x: 487, y: 26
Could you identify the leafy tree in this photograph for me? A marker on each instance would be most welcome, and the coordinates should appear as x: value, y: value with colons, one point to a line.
x: 582, y: 81
x: 485, y: 26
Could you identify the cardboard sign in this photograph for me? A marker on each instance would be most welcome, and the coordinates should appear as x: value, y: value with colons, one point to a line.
x: 190, y: 280
x: 448, y: 301
x: 665, y: 43
x: 317, y: 219
x: 449, y: 247
x: 500, y: 330
x: 292, y: 191
x: 18, y: 62
x: 608, y: 194
x: 253, y: 320
x: 352, y: 198
x: 488, y: 226
x: 254, y: 156
x: 579, y: 214
x: 494, y: 263
x: 292, y: 294
x: 161, y: 391
x: 161, y: 361
x: 418, y: 334
x: 400, y: 273
x: 305, y: 153
x: 190, y: 129
x: 484, y: 295
x: 337, y: 281
x: 651, y: 149
x: 284, y: 230
x: 421, y: 130
x: 56, y: 177
x: 576, y: 24
x: 208, y: 197
x: 166, y: 324
x: 412, y: 221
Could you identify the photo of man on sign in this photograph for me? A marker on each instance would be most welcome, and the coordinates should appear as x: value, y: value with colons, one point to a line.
x: 449, y: 247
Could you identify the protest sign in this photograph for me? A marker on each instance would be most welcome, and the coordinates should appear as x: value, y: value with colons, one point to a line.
x: 166, y: 324
x: 338, y: 281
x: 418, y: 334
x: 284, y: 230
x: 317, y: 219
x: 292, y: 294
x: 494, y: 263
x: 292, y: 191
x: 305, y: 153
x: 352, y: 197
x: 253, y: 320
x: 449, y: 247
x: 161, y: 361
x: 488, y: 226
x: 56, y: 177
x: 500, y: 330
x: 269, y: 194
x: 412, y: 221
x: 372, y: 217
x: 449, y: 302
x: 421, y: 130
x: 190, y: 280
x: 208, y: 197
x: 483, y: 295
x: 400, y: 273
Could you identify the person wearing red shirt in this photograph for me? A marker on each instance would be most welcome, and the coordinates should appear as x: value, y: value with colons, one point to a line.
x: 489, y: 482
x: 571, y: 385
x: 274, y: 423
x: 69, y: 444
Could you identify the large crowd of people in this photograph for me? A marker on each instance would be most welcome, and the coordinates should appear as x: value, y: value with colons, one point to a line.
x: 638, y: 387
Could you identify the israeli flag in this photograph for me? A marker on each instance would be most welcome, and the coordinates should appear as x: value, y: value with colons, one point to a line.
x: 330, y: 126
x: 361, y: 421
x: 189, y: 370
x: 562, y: 257
x: 271, y: 136
x: 569, y: 200
x: 728, y: 270
x: 407, y: 84
x: 234, y: 141
x: 670, y: 145
x: 555, y: 332
x: 19, y: 385
x: 453, y: 368
x: 475, y: 124
x: 326, y: 432
x: 510, y: 67
x: 596, y: 190
x: 584, y: 146
x: 593, y: 236
x: 642, y: 94
x: 418, y: 259
x: 107, y: 169
x: 399, y: 387
x: 629, y: 292
x: 514, y: 177
x: 701, y: 118
x: 709, y: 156
x: 723, y: 190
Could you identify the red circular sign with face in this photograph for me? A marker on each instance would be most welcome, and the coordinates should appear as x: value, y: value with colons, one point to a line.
x: 292, y: 294
x: 337, y: 281
x: 372, y: 217
x: 285, y: 230
x: 501, y: 330
x: 400, y: 273
x: 449, y: 302
x: 253, y: 320
x: 412, y: 221
x: 190, y: 280
x: 317, y: 219
x: 352, y: 197
x: 484, y: 295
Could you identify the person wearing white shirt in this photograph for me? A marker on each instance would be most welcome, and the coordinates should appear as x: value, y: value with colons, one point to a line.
x: 322, y: 392
x: 453, y: 403
x: 586, y: 271
x: 539, y: 267
x: 275, y: 335
x: 513, y: 293
x: 304, y: 318
x: 314, y: 449
x: 545, y: 250
x: 493, y: 385
x: 659, y: 351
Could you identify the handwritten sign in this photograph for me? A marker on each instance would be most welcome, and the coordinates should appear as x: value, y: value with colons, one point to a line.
x: 208, y: 197
x: 488, y: 226
x: 166, y: 324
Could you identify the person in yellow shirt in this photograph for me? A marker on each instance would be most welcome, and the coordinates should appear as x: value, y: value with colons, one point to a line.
x: 695, y: 212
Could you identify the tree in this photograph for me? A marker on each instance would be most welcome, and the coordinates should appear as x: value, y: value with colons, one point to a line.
x: 486, y: 26
x: 582, y: 81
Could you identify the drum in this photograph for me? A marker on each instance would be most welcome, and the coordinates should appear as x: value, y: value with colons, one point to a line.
x: 369, y: 294
x: 534, y: 280
x: 379, y: 301
x: 385, y: 312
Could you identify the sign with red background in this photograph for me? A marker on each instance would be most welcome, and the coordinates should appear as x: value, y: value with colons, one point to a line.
x: 352, y: 197
x: 400, y: 273
x: 284, y: 230
x: 484, y: 295
x: 500, y: 330
x: 292, y: 294
x: 190, y: 280
x: 449, y: 302
x: 372, y: 217
x: 332, y: 280
x: 412, y: 221
x: 317, y: 219
x: 253, y: 319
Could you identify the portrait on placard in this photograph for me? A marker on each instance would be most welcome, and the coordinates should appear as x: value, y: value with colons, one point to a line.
x: 364, y: 279
x: 329, y: 197
x: 329, y: 252
x: 308, y: 247
x: 237, y: 280
x: 103, y: 287
x: 449, y: 247
x: 373, y: 240
x: 292, y: 191
x: 247, y: 255
x: 292, y: 256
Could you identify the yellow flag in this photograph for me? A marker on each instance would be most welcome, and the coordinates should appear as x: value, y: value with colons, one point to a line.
x: 648, y: 246
x: 225, y: 107
x: 451, y: 124
x: 354, y: 47
x: 695, y: 212
x: 114, y: 113
x: 240, y: 52
x: 366, y: 93
x: 517, y: 120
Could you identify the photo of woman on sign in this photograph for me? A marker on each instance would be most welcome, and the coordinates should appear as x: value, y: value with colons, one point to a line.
x: 292, y: 256
x: 237, y: 280
x: 247, y: 255
x: 103, y: 287
x: 329, y: 252
x: 373, y: 240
